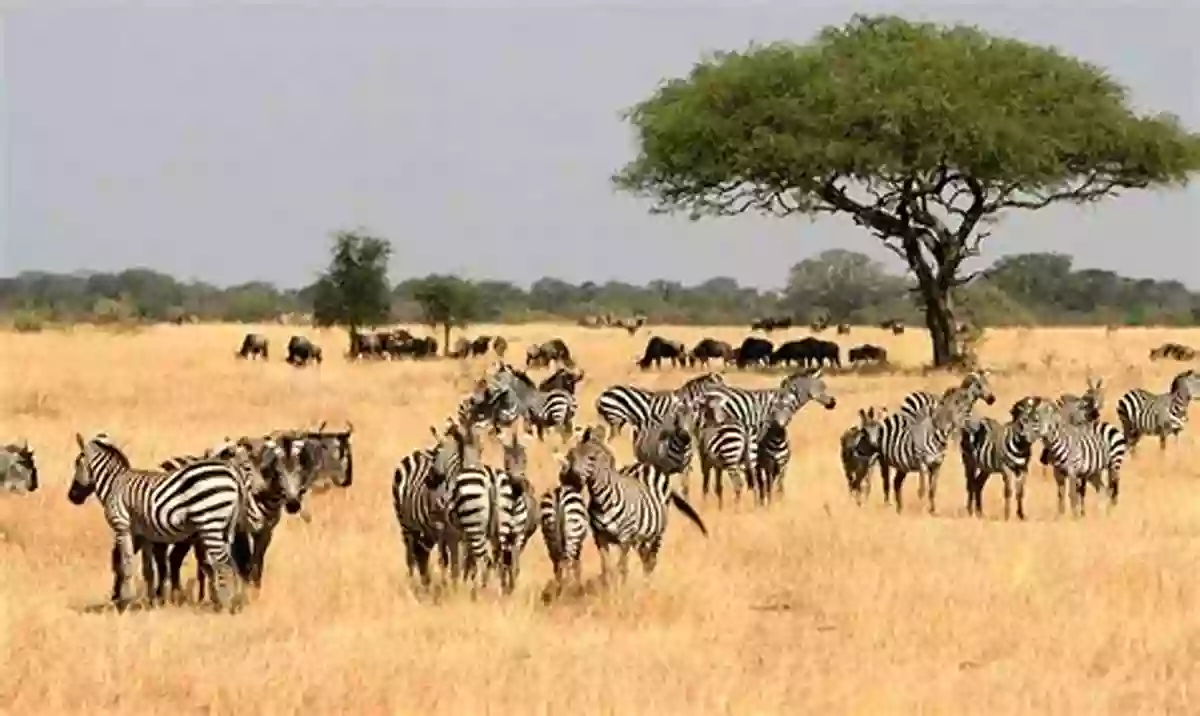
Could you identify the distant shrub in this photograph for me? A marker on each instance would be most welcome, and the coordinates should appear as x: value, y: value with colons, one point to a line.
x: 27, y: 322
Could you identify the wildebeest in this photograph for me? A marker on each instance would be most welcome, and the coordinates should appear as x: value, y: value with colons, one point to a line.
x: 843, y: 329
x: 414, y: 348
x: 867, y: 353
x: 895, y: 324
x: 301, y: 351
x: 1173, y: 351
x: 562, y: 379
x: 461, y: 349
x: 658, y: 348
x: 631, y: 325
x: 808, y: 352
x: 500, y: 346
x: 18, y: 470
x: 709, y: 349
x: 253, y: 346
x: 770, y: 323
x: 328, y: 458
x: 366, y: 345
x: 820, y: 324
x: 480, y: 345
x: 753, y: 351
x: 541, y: 356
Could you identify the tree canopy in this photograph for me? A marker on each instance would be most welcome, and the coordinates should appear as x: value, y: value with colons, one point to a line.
x: 447, y: 301
x: 353, y: 291
x: 923, y: 134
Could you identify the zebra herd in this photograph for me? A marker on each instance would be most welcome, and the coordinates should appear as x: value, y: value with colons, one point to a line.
x: 446, y: 499
x: 224, y: 505
x: 1078, y: 445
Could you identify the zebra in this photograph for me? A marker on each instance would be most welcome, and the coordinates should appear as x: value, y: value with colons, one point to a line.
x: 1077, y: 409
x: 752, y: 407
x: 773, y: 451
x: 564, y: 518
x: 860, y: 449
x: 1144, y: 413
x: 478, y: 507
x: 908, y: 444
x: 419, y: 495
x: 987, y: 447
x: 275, y: 478
x: 974, y: 385
x: 667, y: 444
x: 555, y: 408
x: 204, y: 499
x: 621, y: 405
x: 523, y: 510
x: 724, y: 445
x: 1079, y: 454
x: 627, y: 508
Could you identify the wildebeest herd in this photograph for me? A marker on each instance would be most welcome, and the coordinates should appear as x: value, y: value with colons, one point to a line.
x: 224, y: 503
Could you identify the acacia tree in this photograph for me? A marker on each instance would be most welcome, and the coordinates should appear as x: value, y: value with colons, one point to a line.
x: 353, y: 291
x: 447, y: 301
x: 922, y: 134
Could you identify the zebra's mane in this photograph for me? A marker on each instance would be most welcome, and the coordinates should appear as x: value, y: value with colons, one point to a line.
x: 1183, y: 382
x: 104, y: 443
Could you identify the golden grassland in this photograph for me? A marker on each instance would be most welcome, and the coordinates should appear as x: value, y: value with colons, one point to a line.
x: 811, y: 606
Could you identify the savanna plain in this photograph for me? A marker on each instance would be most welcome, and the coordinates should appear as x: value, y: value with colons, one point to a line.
x: 813, y: 605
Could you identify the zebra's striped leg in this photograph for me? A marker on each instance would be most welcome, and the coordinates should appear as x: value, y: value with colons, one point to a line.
x: 421, y: 552
x: 932, y: 478
x: 623, y: 563
x: 216, y: 554
x: 1074, y: 485
x: 1114, y: 486
x: 648, y: 553
x: 1060, y: 480
x: 886, y: 477
x: 605, y: 568
x: 897, y: 486
x: 124, y: 553
x: 262, y: 541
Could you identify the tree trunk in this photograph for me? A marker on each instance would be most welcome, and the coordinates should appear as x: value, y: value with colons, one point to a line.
x: 939, y: 318
x: 446, y: 339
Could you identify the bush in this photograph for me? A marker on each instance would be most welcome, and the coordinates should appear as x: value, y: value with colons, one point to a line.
x: 27, y: 322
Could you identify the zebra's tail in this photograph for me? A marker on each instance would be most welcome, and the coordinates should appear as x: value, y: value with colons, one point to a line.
x: 688, y: 511
x: 560, y: 530
x: 493, y: 527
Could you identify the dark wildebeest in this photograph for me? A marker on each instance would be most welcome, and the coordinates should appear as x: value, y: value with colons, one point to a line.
x: 500, y: 346
x: 365, y: 345
x: 769, y: 324
x: 867, y: 353
x: 819, y: 324
x: 753, y: 351
x: 710, y: 349
x: 541, y: 356
x: 631, y: 325
x: 562, y: 379
x: 461, y: 349
x: 1173, y: 351
x: 843, y: 329
x: 390, y: 341
x: 415, y: 348
x: 301, y: 351
x: 327, y: 458
x: 480, y: 345
x: 658, y: 348
x: 895, y: 324
x: 808, y: 352
x: 253, y: 346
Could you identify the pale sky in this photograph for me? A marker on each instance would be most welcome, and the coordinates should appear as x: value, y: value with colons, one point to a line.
x: 225, y: 143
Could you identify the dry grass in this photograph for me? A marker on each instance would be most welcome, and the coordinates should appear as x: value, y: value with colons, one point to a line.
x: 813, y: 606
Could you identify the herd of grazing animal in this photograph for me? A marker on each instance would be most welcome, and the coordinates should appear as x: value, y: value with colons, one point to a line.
x: 224, y: 504
x: 754, y: 352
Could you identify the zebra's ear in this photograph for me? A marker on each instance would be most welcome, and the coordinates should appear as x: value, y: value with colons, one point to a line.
x: 79, y: 440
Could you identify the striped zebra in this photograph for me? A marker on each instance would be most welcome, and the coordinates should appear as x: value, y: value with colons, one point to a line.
x: 859, y: 447
x: 274, y: 473
x: 667, y: 444
x: 524, y: 510
x: 555, y: 408
x: 203, y: 499
x: 478, y: 507
x: 724, y: 445
x: 974, y: 386
x: 918, y: 444
x: 774, y: 449
x: 419, y: 496
x: 1079, y: 454
x: 564, y: 517
x: 752, y: 407
x: 628, y: 508
x: 1075, y: 409
x: 1144, y: 413
x: 622, y: 405
x: 988, y: 447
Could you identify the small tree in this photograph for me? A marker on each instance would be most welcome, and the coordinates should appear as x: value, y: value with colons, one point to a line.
x: 353, y: 291
x: 446, y: 301
x: 920, y: 133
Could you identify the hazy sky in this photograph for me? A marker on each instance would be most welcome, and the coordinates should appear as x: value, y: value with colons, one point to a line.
x: 225, y: 143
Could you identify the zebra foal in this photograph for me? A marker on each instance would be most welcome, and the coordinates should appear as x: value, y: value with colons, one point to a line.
x: 203, y: 499
x: 724, y: 445
x: 859, y: 449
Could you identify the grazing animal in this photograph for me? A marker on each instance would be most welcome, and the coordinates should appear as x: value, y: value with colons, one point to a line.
x: 843, y: 329
x: 725, y: 445
x: 523, y: 513
x: 974, y: 387
x: 867, y: 353
x: 988, y: 447
x: 752, y: 407
x: 415, y: 348
x: 917, y: 443
x: 204, y: 499
x: 365, y: 345
x: 18, y: 469
x: 419, y: 496
x: 658, y: 349
x: 621, y: 405
x: 895, y: 325
x: 562, y: 379
x: 554, y: 350
x: 631, y: 325
x: 766, y: 325
x: 328, y: 458
x: 1079, y: 454
x: 1075, y: 409
x: 254, y: 345
x: 628, y: 508
x: 555, y: 408
x: 1143, y: 413
x: 564, y: 518
x: 710, y: 349
x: 774, y: 449
x: 667, y: 444
x: 301, y: 351
x: 808, y: 352
x: 859, y: 447
x: 1173, y: 351
x: 754, y: 351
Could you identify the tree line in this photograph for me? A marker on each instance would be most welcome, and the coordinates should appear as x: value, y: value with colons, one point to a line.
x: 837, y: 285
